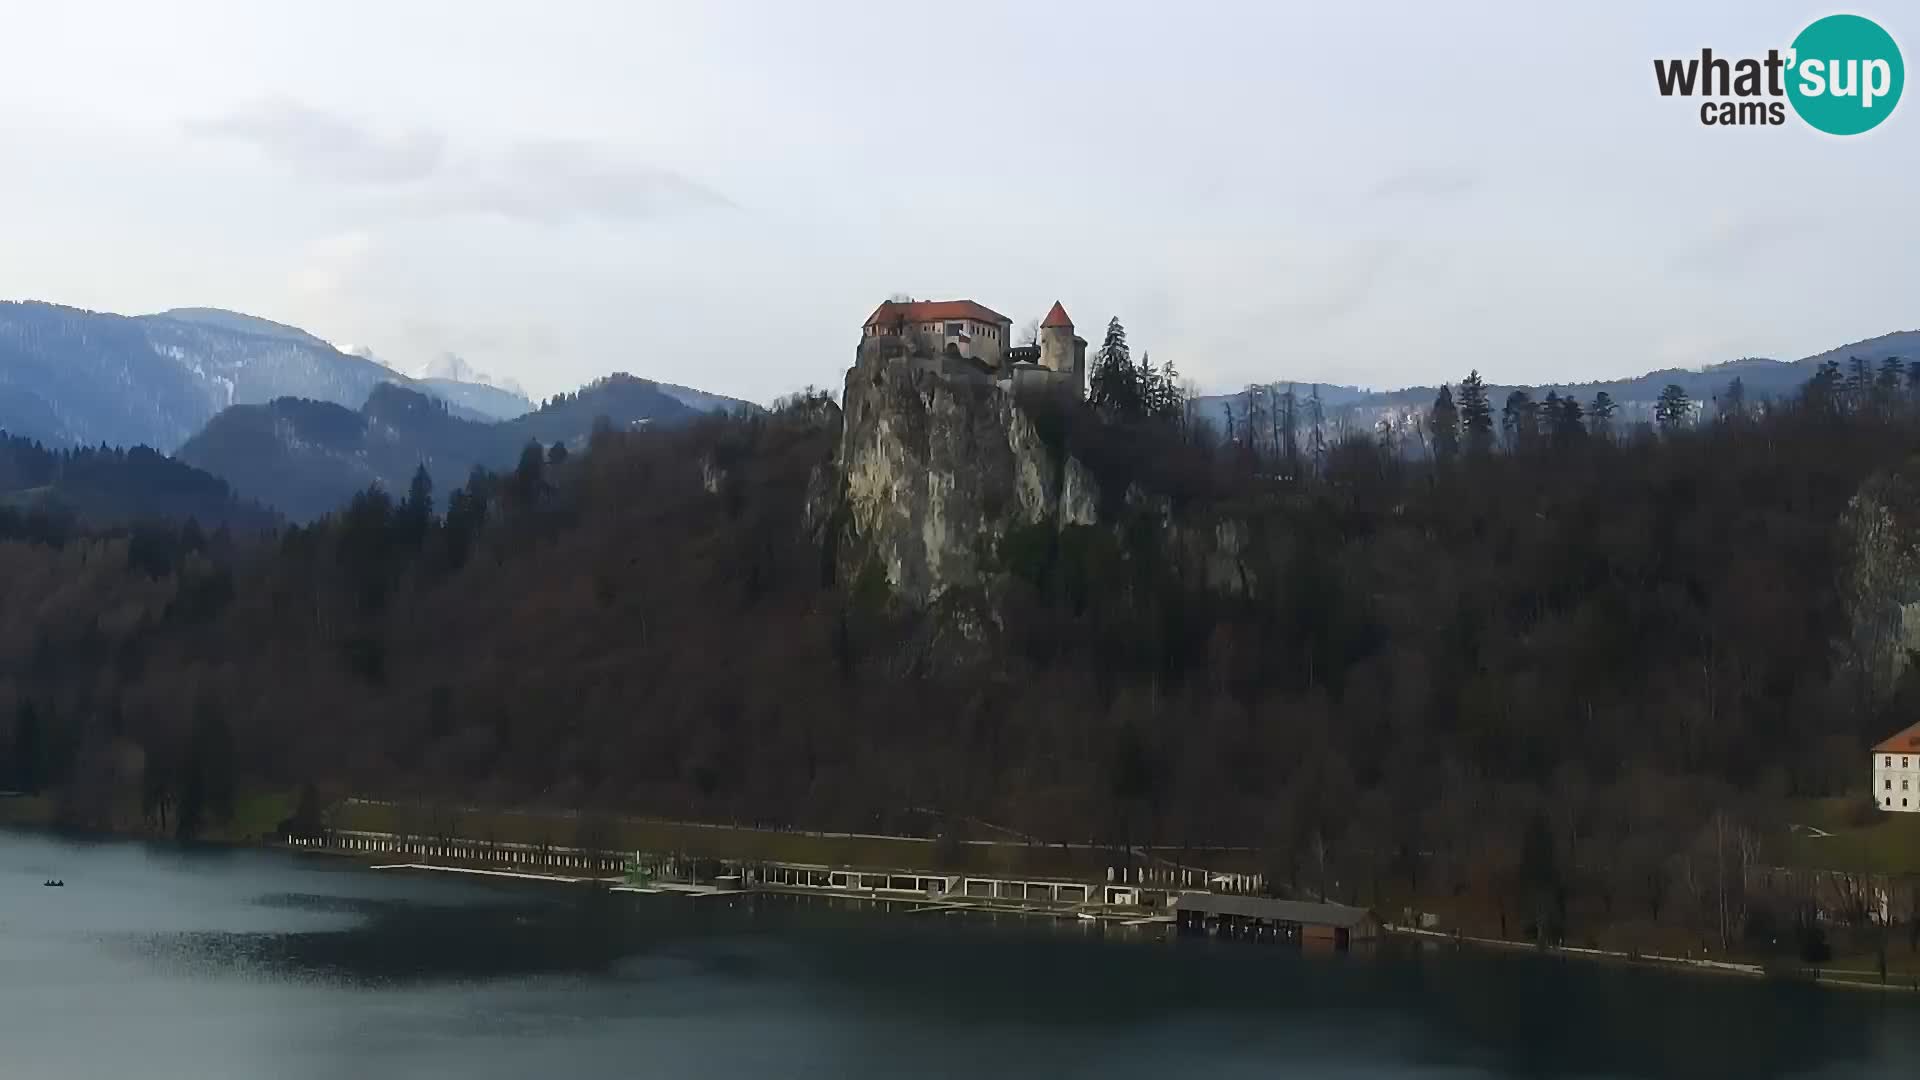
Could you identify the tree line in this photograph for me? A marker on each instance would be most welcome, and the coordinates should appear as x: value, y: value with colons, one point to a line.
x: 1574, y: 681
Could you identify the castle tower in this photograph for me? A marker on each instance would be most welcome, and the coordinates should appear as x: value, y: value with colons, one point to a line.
x: 1060, y: 349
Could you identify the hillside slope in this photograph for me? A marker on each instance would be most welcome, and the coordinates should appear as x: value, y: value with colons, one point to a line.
x: 307, y: 458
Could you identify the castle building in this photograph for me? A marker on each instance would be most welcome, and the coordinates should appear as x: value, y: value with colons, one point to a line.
x: 964, y: 330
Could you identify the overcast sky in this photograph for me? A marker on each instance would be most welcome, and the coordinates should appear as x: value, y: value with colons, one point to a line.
x: 718, y: 193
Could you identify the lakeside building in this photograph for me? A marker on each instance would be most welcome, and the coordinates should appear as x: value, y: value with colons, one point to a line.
x: 1263, y: 918
x: 1896, y: 772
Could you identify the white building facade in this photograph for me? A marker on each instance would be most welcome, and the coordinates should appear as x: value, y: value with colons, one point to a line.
x: 1896, y: 773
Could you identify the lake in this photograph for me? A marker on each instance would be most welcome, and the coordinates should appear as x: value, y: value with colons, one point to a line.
x: 157, y: 962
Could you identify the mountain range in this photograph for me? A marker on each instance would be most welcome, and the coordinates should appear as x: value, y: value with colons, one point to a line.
x: 1760, y: 377
x: 272, y: 411
x: 306, y: 458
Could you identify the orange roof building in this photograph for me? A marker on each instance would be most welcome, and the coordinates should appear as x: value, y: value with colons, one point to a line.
x: 967, y: 329
x: 1896, y: 772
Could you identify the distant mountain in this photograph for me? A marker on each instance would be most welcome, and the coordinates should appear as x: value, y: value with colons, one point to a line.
x: 72, y: 377
x: 112, y: 487
x: 307, y: 458
x: 483, y: 400
x: 1760, y: 377
x: 704, y: 402
x: 221, y: 319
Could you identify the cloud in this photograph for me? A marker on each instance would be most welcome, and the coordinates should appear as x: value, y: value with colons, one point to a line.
x: 326, y: 145
x: 1736, y: 241
x: 1425, y: 182
x: 555, y: 182
x: 331, y: 262
x: 544, y: 182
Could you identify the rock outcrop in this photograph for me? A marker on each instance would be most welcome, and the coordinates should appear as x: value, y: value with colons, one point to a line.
x: 934, y: 467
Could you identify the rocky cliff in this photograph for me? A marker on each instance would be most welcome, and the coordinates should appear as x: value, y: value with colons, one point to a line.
x: 934, y: 468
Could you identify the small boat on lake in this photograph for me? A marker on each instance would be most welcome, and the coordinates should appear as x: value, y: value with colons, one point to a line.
x: 52, y: 884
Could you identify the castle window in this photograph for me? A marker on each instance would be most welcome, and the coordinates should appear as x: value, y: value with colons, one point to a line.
x: 955, y: 329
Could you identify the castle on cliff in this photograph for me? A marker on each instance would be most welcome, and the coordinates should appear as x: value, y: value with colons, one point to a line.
x: 966, y: 339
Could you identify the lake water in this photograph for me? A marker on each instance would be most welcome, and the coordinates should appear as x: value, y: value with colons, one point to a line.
x: 156, y: 963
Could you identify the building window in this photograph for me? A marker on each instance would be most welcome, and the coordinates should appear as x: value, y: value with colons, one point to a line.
x: 953, y: 329
x: 1903, y: 763
x: 1889, y: 761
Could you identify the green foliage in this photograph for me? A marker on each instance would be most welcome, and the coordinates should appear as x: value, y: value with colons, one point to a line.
x: 1121, y: 389
x: 1444, y: 422
x: 1674, y: 408
x: 1476, y: 415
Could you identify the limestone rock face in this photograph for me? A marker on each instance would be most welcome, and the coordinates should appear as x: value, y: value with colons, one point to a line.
x: 935, y: 469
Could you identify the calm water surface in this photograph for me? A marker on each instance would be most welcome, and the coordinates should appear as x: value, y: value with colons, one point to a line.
x: 157, y: 963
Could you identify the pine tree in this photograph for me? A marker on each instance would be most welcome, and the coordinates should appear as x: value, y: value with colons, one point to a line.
x: 1114, y: 385
x: 1733, y: 401
x: 1600, y: 413
x: 1173, y: 404
x: 1519, y: 419
x: 1565, y: 419
x: 1476, y: 415
x: 1886, y: 385
x: 416, y: 514
x: 1859, y: 380
x: 1674, y: 407
x: 1444, y: 422
x: 1823, y: 391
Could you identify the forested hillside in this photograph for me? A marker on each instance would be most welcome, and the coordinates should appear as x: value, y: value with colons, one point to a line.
x: 308, y: 457
x: 106, y: 487
x: 1605, y: 636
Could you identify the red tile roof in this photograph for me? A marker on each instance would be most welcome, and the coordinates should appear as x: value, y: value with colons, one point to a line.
x: 934, y: 311
x: 1903, y: 742
x: 1057, y: 316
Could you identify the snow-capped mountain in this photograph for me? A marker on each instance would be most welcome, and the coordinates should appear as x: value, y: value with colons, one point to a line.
x: 75, y: 377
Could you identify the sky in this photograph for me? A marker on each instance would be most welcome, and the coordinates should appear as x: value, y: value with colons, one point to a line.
x: 719, y: 193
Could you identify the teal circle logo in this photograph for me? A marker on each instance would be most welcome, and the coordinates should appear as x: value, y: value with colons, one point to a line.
x: 1845, y: 75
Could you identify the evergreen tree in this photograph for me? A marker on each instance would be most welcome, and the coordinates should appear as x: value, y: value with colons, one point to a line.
x: 1733, y: 402
x: 1443, y: 420
x: 1518, y: 419
x: 1476, y: 415
x: 1114, y: 385
x: 1674, y: 407
x: 1858, y: 382
x: 416, y: 514
x: 1565, y: 419
x: 530, y: 476
x: 1601, y: 413
x: 1886, y: 385
x: 1823, y: 392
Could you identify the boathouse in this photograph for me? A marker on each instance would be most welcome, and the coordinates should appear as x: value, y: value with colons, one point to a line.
x: 1265, y: 919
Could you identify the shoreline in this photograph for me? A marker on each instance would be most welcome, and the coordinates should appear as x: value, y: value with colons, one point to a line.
x: 1812, y: 976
